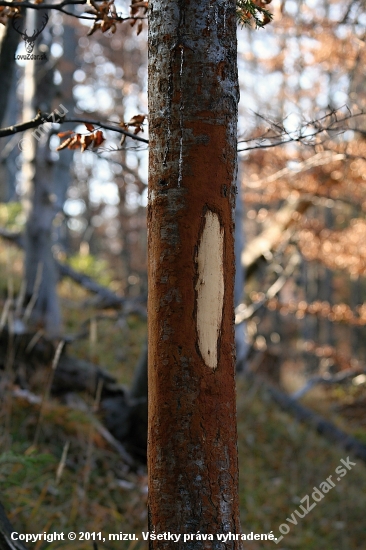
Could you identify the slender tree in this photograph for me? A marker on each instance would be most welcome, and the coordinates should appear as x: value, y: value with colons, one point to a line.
x: 9, y: 40
x: 193, y: 95
x: 38, y: 199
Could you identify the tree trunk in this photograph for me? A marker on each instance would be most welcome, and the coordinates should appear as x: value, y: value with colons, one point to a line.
x: 62, y: 172
x: 9, y: 40
x: 38, y: 200
x: 241, y: 344
x: 193, y: 94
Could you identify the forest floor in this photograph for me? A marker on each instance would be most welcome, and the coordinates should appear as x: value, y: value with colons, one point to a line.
x: 92, y: 491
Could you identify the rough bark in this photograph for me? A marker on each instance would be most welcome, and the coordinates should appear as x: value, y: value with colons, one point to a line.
x: 193, y: 93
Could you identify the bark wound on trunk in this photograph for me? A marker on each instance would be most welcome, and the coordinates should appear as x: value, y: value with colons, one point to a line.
x: 210, y: 274
x: 193, y: 94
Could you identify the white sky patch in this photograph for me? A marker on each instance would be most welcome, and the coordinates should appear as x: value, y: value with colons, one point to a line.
x: 74, y: 207
x: 103, y: 193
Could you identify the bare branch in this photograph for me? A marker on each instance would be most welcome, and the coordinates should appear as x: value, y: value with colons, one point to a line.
x: 320, y: 159
x: 263, y: 244
x: 106, y: 296
x: 276, y: 135
x: 42, y: 118
x: 244, y: 312
x: 61, y: 7
x: 338, y: 378
x: 280, y: 135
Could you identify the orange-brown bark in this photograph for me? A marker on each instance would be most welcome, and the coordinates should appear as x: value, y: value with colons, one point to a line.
x: 192, y: 448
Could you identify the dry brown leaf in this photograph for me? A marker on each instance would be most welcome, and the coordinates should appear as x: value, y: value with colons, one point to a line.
x: 64, y: 134
x: 98, y: 138
x: 137, y: 120
x: 64, y: 144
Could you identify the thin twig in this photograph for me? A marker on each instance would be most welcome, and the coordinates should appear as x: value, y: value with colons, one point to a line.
x: 47, y: 390
x: 303, y: 134
x: 244, y: 312
x: 62, y: 462
x: 35, y: 293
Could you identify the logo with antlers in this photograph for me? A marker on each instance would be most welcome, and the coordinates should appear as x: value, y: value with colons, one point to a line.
x: 30, y: 40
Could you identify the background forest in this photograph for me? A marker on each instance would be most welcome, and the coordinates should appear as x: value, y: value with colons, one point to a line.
x: 73, y: 283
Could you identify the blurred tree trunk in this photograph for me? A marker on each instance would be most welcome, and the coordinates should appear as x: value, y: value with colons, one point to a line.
x: 38, y: 198
x: 310, y: 322
x: 193, y: 94
x: 326, y: 290
x: 9, y: 40
x: 62, y: 176
x: 9, y: 150
x: 241, y: 344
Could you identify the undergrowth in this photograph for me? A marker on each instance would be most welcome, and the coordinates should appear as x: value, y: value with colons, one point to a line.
x: 71, y: 480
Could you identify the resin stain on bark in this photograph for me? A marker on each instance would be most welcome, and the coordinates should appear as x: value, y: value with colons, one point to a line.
x: 210, y: 288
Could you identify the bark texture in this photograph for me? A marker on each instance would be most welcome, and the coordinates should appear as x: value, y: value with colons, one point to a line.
x: 193, y: 94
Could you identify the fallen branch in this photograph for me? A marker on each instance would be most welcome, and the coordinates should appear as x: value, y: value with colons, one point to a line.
x: 244, y: 312
x: 338, y: 378
x: 88, y: 283
x: 108, y: 297
x: 123, y: 413
x: 263, y: 244
x: 315, y: 421
x: 107, y: 436
x: 114, y: 443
